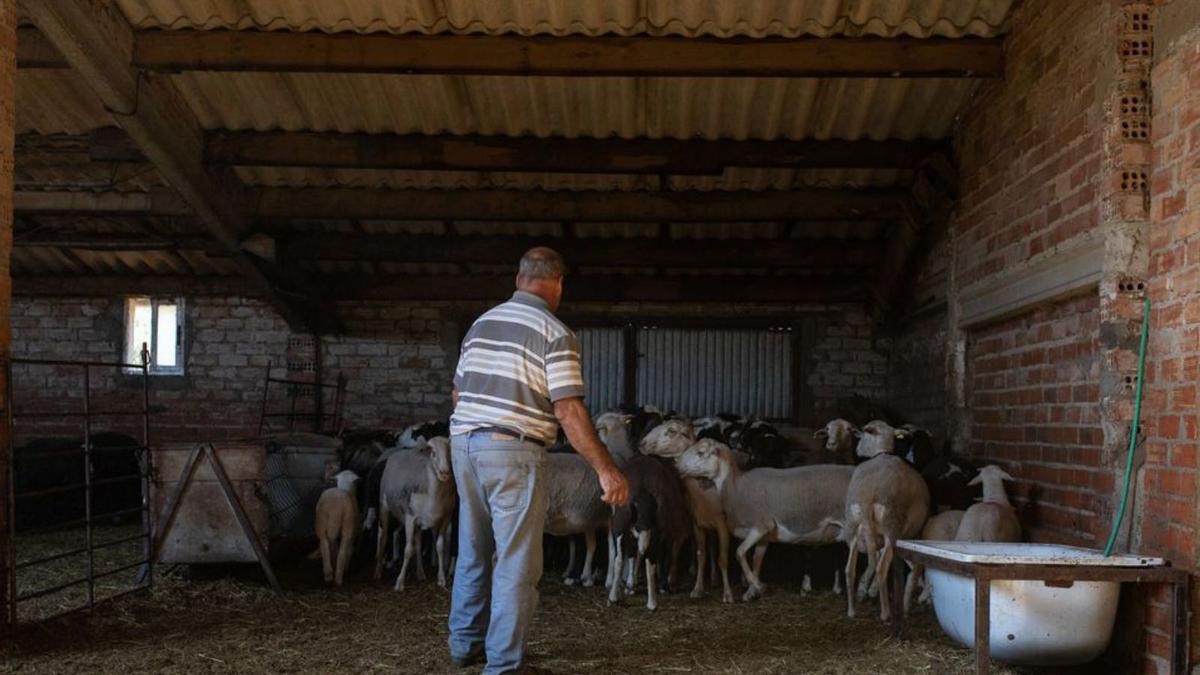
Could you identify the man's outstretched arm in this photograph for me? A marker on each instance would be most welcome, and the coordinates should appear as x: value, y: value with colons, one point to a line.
x: 577, y: 423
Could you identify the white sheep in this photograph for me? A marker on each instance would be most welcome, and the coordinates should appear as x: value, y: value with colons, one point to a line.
x: 802, y: 505
x: 704, y: 501
x: 941, y: 527
x: 417, y: 487
x: 337, y: 525
x: 887, y: 500
x: 669, y: 439
x: 994, y: 518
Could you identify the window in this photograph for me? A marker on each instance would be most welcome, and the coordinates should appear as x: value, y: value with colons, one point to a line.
x: 155, y: 325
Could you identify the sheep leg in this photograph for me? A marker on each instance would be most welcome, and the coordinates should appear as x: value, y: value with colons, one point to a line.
x: 910, y: 585
x: 760, y: 552
x: 837, y: 582
x: 381, y: 541
x: 345, y: 548
x: 882, y: 573
x: 852, y: 568
x: 396, y: 552
x: 419, y: 556
x: 609, y: 579
x: 589, y: 555
x: 673, y: 568
x: 873, y: 590
x: 410, y: 548
x: 614, y: 589
x: 440, y: 545
x: 868, y: 530
x: 326, y: 567
x: 701, y: 551
x: 755, y: 590
x: 723, y: 561
x: 651, y: 584
x: 566, y: 577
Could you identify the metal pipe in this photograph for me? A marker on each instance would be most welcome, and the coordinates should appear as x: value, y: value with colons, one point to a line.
x: 87, y: 482
x: 147, y: 468
x: 60, y: 362
x: 10, y: 553
x: 53, y: 589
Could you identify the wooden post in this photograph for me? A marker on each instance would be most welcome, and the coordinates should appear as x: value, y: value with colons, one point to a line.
x: 8, y: 90
x: 983, y: 627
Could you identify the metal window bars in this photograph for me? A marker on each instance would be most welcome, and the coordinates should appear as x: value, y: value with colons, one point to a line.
x: 41, y: 584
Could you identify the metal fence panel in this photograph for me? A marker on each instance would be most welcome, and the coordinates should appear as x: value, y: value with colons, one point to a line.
x: 701, y: 372
x: 603, y: 351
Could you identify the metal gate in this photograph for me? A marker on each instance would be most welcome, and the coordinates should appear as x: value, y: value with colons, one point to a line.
x: 79, y: 506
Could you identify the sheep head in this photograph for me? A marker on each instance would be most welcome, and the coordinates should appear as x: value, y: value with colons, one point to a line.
x: 669, y: 439
x: 878, y: 437
x: 991, y: 474
x: 439, y: 454
x: 838, y: 435
x: 703, y: 459
x: 346, y: 479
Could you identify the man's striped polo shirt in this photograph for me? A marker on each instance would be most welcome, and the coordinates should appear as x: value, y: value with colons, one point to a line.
x: 516, y: 361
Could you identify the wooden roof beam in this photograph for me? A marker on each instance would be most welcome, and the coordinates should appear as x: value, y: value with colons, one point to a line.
x: 581, y: 206
x: 568, y: 155
x: 35, y: 51
x: 590, y: 252
x: 98, y: 42
x: 283, y: 51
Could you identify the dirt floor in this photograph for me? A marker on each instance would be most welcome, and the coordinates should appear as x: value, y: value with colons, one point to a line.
x: 233, y: 623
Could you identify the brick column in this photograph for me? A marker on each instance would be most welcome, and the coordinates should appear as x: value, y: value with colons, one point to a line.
x: 1124, y: 222
x: 8, y: 121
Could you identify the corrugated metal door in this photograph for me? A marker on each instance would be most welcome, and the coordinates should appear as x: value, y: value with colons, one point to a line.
x: 603, y: 351
x: 705, y: 371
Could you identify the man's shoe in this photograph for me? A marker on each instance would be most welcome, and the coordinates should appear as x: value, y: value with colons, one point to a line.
x: 473, y: 658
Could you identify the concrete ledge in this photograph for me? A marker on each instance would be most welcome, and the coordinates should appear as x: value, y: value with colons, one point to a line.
x: 1057, y: 275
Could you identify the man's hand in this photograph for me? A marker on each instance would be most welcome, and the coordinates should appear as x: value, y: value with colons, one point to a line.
x: 577, y: 424
x: 614, y: 485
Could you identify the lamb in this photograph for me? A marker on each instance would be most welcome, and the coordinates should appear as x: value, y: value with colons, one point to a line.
x: 574, y: 506
x: 801, y: 505
x: 654, y: 522
x: 887, y: 500
x: 336, y: 524
x: 418, y: 488
x: 993, y: 519
x: 941, y: 527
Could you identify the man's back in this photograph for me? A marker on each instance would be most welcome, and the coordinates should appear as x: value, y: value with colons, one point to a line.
x: 516, y: 359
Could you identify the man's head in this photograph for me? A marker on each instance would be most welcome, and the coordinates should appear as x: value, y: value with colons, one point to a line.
x: 541, y: 273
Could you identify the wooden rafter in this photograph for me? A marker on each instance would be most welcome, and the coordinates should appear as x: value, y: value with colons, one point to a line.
x: 570, y: 155
x: 595, y: 252
x: 248, y: 50
x: 97, y: 41
x: 579, y: 288
x: 582, y: 206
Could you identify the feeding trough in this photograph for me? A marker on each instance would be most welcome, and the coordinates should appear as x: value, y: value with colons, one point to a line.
x: 1037, y: 604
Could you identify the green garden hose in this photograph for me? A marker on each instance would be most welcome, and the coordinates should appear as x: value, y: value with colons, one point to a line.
x: 1137, y: 415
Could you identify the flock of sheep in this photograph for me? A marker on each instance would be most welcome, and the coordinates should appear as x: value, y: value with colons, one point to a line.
x: 726, y: 476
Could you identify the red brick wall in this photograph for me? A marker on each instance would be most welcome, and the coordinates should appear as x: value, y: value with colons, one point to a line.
x: 1033, y: 383
x: 1030, y: 156
x: 1167, y: 485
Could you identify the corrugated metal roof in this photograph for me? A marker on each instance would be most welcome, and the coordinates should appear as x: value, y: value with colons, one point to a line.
x: 57, y: 102
x: 721, y: 18
x: 602, y: 107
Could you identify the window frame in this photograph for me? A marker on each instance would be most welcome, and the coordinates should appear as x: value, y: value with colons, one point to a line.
x: 155, y: 302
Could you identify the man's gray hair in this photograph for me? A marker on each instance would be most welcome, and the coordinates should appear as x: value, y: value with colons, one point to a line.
x: 541, y: 263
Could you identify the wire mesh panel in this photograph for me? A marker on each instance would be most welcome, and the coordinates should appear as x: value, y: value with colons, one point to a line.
x: 705, y: 371
x: 603, y: 351
x: 78, y: 487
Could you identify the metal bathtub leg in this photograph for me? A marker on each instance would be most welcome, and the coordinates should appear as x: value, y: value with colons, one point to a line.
x: 983, y: 628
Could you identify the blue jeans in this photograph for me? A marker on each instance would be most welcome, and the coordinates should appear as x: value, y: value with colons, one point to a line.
x: 502, y: 510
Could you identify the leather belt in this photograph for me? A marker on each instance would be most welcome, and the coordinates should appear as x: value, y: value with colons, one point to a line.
x: 509, y: 433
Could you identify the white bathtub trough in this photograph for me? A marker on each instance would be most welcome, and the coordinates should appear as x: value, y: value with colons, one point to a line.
x: 1032, y: 622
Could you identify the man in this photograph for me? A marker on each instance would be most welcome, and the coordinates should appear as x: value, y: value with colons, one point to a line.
x: 518, y: 378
